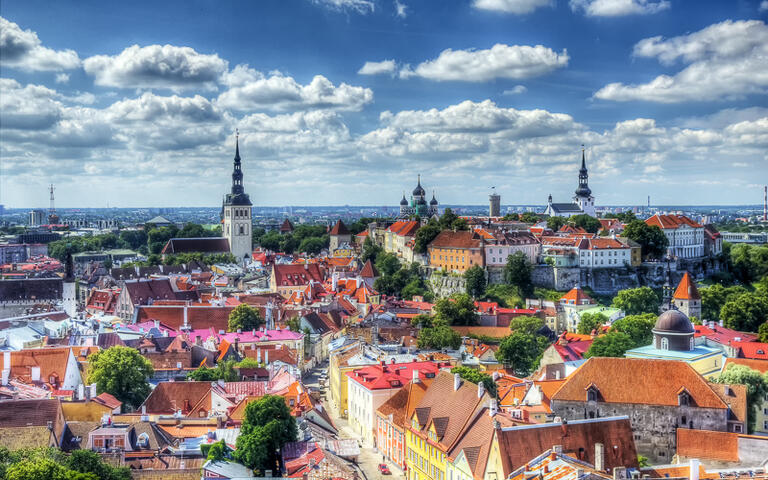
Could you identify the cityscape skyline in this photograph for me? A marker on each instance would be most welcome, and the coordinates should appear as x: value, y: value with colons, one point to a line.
x: 471, y: 95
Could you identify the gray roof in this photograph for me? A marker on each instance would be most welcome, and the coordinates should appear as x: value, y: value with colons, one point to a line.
x: 159, y: 219
x: 228, y: 469
x: 566, y: 207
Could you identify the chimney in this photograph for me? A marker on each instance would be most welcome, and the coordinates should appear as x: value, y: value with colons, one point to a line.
x: 6, y: 375
x: 198, y: 341
x: 186, y: 324
x: 599, y: 457
x: 35, y: 373
x: 92, y: 387
x: 557, y: 449
x: 266, y: 357
x: 694, y: 474
x: 619, y: 473
x: 492, y: 409
x: 258, y: 355
x: 480, y: 389
x: 157, y: 324
x: 721, y: 323
x: 416, y: 376
x: 456, y: 381
x: 7, y: 360
x: 80, y: 389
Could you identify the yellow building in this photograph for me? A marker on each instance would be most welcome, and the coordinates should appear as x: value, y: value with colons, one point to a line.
x: 456, y: 251
x: 341, y: 361
x: 437, y: 423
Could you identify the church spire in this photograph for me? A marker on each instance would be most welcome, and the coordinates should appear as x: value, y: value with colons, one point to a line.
x: 237, y: 145
x: 583, y: 190
x: 237, y: 173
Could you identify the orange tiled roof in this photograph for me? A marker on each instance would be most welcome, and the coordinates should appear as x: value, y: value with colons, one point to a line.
x: 576, y: 294
x: 759, y: 365
x: 462, y: 239
x: 686, y: 289
x: 638, y: 381
x: 705, y: 444
x: 339, y: 229
x: 671, y: 221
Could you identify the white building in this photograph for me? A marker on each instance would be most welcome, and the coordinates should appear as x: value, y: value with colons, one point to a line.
x: 686, y: 237
x: 506, y: 244
x: 583, y: 201
x: 236, y: 214
x: 603, y: 253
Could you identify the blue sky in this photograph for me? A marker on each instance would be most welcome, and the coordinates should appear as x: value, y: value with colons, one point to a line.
x: 345, y: 101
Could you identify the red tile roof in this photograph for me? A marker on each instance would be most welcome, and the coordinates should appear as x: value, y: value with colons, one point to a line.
x: 686, y: 289
x: 339, y: 229
x: 369, y: 271
x: 638, y: 381
x: 708, y: 445
x: 391, y: 375
x: 753, y: 350
x: 297, y: 274
x: 723, y: 335
x: 462, y: 239
x: 198, y: 316
x: 576, y: 296
x: 404, y: 228
x: 671, y: 221
x: 759, y: 365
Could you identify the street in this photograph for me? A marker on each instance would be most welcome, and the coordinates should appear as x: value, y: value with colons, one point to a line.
x: 369, y: 459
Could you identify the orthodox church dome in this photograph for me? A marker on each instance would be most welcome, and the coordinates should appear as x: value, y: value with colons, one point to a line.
x: 403, y: 202
x: 434, y: 200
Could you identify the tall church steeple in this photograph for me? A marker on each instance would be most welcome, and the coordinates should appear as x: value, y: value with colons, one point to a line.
x: 236, y: 212
x: 583, y: 190
x: 237, y: 173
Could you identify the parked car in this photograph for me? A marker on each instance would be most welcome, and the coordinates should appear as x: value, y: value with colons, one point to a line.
x: 384, y: 469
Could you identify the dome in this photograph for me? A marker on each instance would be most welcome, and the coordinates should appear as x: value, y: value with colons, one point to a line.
x: 433, y: 202
x: 404, y: 202
x: 673, y: 321
x: 419, y: 191
x: 421, y: 201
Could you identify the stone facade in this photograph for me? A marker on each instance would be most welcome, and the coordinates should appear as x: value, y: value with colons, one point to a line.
x: 654, y: 426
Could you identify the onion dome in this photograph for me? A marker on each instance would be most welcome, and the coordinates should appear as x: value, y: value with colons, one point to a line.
x: 433, y: 202
x: 419, y: 191
x: 403, y: 202
x: 421, y: 201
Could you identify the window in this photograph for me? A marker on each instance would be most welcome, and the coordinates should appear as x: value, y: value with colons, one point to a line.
x: 665, y: 344
x: 684, y: 400
x: 737, y: 428
x: 592, y: 395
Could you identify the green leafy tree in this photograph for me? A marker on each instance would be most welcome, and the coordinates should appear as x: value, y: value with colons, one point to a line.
x: 475, y: 281
x: 635, y: 301
x: 624, y: 217
x: 387, y: 263
x: 638, y: 327
x: 267, y: 426
x: 714, y: 297
x: 447, y: 219
x: 511, y: 217
x: 222, y: 371
x: 745, y: 312
x: 121, y: 372
x: 294, y: 324
x: 474, y: 376
x: 244, y: 317
x: 422, y: 320
x: 248, y: 362
x: 529, y: 217
x: 757, y: 387
x: 89, y: 462
x: 288, y: 243
x: 652, y: 240
x: 457, y: 310
x: 425, y: 235
x: 587, y: 222
x: 591, y: 321
x: 459, y: 224
x: 438, y: 336
x: 505, y: 295
x: 518, y: 272
x: 522, y: 352
x: 218, y: 451
x: 762, y: 332
x: 612, y: 344
x: 311, y: 245
x: 555, y: 223
x: 271, y: 240
x: 371, y: 251
x: 524, y: 324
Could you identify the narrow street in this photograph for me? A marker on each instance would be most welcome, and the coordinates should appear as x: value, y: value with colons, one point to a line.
x: 369, y: 459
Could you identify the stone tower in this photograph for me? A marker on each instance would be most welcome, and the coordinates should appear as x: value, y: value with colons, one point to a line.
x: 687, y: 298
x: 236, y: 213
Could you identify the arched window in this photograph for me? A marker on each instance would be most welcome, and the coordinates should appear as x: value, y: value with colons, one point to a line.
x: 665, y: 343
x: 691, y: 343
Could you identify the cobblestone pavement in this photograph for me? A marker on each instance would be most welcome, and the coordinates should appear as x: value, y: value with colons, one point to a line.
x: 369, y: 459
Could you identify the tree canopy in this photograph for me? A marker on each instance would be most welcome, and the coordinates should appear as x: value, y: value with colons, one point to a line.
x: 638, y: 327
x: 267, y: 426
x: 525, y: 324
x: 457, y: 310
x: 555, y: 223
x: 475, y: 281
x: 121, y: 372
x: 745, y: 312
x: 223, y: 371
x: 522, y: 352
x: 244, y: 317
x: 652, y: 240
x: 612, y: 344
x: 438, y: 335
x: 591, y: 321
x: 519, y: 273
x: 50, y: 463
x: 757, y: 387
x: 475, y: 376
x: 587, y: 222
x: 635, y: 301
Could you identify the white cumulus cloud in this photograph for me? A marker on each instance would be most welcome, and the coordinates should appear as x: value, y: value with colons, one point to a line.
x: 252, y: 90
x: 518, y: 7
x: 616, y: 8
x: 156, y: 66
x: 499, y: 61
x: 516, y: 90
x: 378, y: 68
x: 358, y: 6
x: 725, y: 61
x: 23, y: 49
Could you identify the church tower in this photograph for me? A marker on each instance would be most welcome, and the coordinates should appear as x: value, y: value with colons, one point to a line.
x: 236, y: 213
x: 69, y: 288
x: 584, y: 198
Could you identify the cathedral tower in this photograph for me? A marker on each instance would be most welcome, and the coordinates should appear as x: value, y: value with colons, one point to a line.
x: 584, y: 198
x: 236, y: 213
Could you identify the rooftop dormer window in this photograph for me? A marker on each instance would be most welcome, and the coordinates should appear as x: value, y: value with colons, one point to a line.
x: 684, y: 399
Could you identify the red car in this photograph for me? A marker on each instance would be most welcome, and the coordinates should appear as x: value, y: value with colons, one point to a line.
x: 384, y: 469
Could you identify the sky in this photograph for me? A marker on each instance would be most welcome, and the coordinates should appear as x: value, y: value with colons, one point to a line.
x: 345, y: 102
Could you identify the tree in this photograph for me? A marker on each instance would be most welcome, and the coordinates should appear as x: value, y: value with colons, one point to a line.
x: 523, y: 324
x: 425, y: 235
x: 762, y: 332
x: 714, y: 297
x: 312, y: 245
x: 652, y: 240
x: 529, y: 217
x: 438, y: 336
x: 271, y: 240
x: 223, y: 371
x: 503, y: 294
x: 387, y: 263
x: 474, y: 376
x: 459, y: 224
x: 745, y: 312
x: 370, y: 250
x: 625, y: 217
x: 457, y: 310
x: 267, y: 426
x: 521, y: 352
x: 634, y: 301
x: 638, y: 327
x: 591, y: 321
x: 447, y: 219
x: 422, y: 320
x: 587, y: 222
x: 612, y: 344
x: 475, y: 281
x: 518, y: 272
x: 218, y: 451
x: 121, y: 372
x: 244, y: 317
x: 87, y: 461
x: 756, y: 383
x: 555, y: 223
